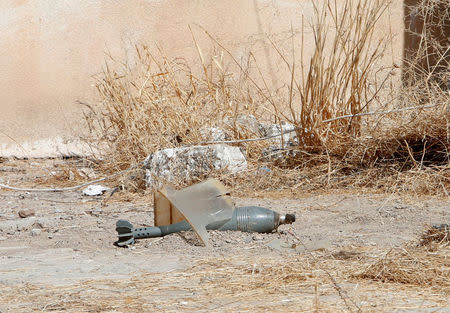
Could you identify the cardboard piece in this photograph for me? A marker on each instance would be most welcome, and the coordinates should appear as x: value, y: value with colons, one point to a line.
x: 200, y: 204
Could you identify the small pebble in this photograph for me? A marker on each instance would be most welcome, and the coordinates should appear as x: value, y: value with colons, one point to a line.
x: 35, y: 232
x: 26, y: 213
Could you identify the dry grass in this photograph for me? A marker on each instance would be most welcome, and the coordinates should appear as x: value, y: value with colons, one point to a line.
x: 369, y: 281
x: 424, y: 264
x: 158, y: 102
x: 341, y: 76
x: 413, y: 267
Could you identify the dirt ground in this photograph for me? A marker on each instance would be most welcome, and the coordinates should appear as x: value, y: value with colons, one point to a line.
x: 63, y: 259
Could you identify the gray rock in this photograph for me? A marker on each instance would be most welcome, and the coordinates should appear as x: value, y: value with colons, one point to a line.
x: 26, y: 213
x: 189, y: 163
x: 276, y: 153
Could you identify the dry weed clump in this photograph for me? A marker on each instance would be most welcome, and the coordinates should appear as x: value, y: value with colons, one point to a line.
x: 158, y: 103
x: 412, y: 266
x: 437, y: 234
x: 342, y: 75
x: 423, y: 263
x: 409, y: 154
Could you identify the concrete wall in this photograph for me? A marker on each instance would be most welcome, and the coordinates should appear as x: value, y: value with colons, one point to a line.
x: 50, y: 49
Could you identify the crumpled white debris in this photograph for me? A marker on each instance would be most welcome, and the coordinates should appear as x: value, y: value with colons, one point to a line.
x: 94, y: 190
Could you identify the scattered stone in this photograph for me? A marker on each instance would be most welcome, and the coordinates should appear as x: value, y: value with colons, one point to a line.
x: 26, y: 213
x: 94, y: 190
x: 282, y: 245
x: 190, y: 163
x: 11, y: 169
x: 35, y: 232
x: 94, y: 212
x: 275, y: 153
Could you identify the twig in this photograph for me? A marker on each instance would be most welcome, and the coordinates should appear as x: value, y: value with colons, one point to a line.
x: 410, y: 152
x: 443, y: 187
x: 109, y: 197
x: 423, y: 154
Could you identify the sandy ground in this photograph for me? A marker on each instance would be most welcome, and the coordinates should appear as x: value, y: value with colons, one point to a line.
x: 63, y: 257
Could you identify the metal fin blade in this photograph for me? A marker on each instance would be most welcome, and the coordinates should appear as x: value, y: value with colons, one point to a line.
x: 202, y: 204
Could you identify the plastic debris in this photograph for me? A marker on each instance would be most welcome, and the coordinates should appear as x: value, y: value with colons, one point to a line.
x: 94, y: 190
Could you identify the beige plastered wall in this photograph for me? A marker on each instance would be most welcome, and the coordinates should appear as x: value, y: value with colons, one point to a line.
x: 50, y: 50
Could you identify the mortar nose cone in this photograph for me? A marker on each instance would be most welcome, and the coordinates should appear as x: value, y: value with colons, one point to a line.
x: 289, y: 219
